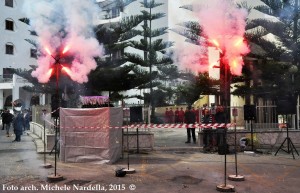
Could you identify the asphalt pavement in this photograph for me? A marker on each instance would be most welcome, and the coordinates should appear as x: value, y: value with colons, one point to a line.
x: 181, y: 169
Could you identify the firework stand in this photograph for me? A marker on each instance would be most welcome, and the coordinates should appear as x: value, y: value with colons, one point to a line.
x: 91, y: 135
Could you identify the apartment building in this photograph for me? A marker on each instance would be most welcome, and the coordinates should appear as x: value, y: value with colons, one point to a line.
x: 15, y: 53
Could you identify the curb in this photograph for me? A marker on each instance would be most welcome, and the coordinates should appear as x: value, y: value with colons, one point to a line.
x: 38, y: 142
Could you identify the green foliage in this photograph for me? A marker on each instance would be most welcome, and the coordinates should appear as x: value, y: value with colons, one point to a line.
x: 271, y: 75
x: 199, y: 85
x: 191, y: 30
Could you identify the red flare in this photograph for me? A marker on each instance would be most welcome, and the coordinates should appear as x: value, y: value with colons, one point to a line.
x: 66, y: 49
x: 48, y: 51
x: 239, y: 42
x: 50, y: 72
x: 215, y: 42
x: 234, y: 63
x: 67, y: 70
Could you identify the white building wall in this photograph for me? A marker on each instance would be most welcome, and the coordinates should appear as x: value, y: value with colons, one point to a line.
x: 21, y: 57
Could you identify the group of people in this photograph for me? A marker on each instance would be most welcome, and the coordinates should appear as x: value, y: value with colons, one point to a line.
x: 215, y: 114
x: 177, y: 116
x: 189, y: 116
x: 19, y: 121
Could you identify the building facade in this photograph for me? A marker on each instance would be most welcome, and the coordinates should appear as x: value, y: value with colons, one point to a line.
x: 15, y: 53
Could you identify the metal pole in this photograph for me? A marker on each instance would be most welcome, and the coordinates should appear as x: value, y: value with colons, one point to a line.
x: 56, y: 122
x: 55, y: 147
x: 137, y: 140
x: 127, y: 149
x: 44, y: 139
x: 122, y: 143
x: 225, y: 159
x: 287, y: 133
x: 235, y: 177
x: 226, y: 117
x: 252, y: 143
x: 235, y: 154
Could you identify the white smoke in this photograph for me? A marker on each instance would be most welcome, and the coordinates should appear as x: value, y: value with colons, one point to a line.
x: 188, y: 56
x: 61, y: 23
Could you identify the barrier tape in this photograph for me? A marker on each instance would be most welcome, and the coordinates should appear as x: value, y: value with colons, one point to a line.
x: 148, y: 126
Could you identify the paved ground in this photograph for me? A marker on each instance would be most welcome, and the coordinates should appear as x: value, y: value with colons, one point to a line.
x: 182, y: 170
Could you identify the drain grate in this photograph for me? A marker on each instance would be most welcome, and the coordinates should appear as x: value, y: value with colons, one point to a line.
x: 77, y: 182
x: 186, y: 180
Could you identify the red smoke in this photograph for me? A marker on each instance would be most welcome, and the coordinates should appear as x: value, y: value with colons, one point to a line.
x: 224, y: 25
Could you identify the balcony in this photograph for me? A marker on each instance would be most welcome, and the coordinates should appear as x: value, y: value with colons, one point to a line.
x: 8, y: 78
x: 8, y: 81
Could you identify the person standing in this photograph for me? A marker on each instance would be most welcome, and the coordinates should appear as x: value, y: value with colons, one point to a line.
x: 181, y: 115
x: 196, y: 112
x: 26, y: 116
x: 7, y: 118
x: 171, y: 115
x: 190, y: 118
x: 18, y: 125
x: 2, y: 111
x: 167, y: 115
x: 177, y: 115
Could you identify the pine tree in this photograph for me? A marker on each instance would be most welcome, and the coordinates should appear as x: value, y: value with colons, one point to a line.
x: 201, y: 83
x: 274, y: 41
x: 112, y: 73
x: 154, y: 63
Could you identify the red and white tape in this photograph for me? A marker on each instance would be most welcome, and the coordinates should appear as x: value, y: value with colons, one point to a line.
x: 149, y: 126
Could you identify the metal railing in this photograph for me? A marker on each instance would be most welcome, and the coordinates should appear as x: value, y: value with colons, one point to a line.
x: 6, y: 78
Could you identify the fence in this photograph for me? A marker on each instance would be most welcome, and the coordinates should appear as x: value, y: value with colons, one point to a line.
x: 266, y: 117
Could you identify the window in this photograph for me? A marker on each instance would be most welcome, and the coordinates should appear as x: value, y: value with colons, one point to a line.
x: 9, y: 49
x: 33, y: 53
x: 8, y: 73
x: 9, y: 24
x: 9, y: 3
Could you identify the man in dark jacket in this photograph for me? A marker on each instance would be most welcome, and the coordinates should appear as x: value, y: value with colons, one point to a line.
x: 18, y: 125
x: 7, y: 118
x: 190, y: 118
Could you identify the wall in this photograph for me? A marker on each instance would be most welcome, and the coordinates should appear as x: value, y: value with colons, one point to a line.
x: 263, y: 139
